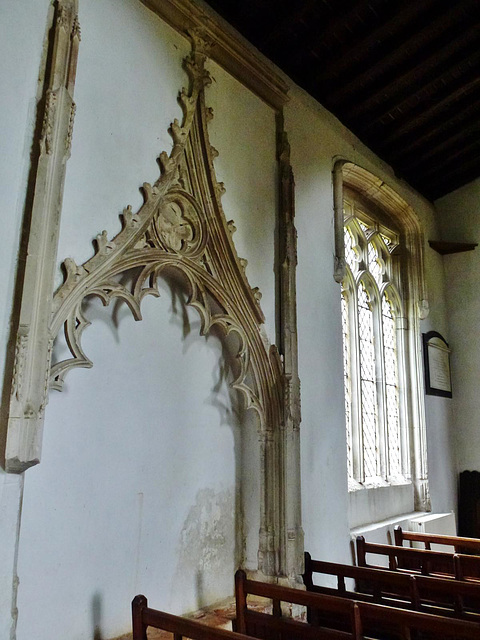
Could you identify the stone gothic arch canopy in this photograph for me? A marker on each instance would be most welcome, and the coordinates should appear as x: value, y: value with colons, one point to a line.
x: 181, y: 226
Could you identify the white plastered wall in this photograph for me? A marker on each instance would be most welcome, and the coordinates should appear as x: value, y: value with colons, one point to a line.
x: 460, y: 218
x: 317, y: 140
x: 139, y: 485
x: 139, y: 488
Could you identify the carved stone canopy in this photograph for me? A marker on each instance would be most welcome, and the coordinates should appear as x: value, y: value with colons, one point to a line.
x: 181, y: 227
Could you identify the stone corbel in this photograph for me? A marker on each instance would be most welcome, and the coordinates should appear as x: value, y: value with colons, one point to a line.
x: 33, y: 347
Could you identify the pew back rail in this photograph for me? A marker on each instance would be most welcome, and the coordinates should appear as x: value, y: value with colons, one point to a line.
x: 274, y: 626
x: 406, y: 559
x: 375, y: 585
x: 461, y: 545
x: 362, y: 620
x: 443, y: 596
x: 144, y: 617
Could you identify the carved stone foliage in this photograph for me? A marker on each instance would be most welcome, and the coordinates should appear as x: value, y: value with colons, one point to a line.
x: 181, y: 226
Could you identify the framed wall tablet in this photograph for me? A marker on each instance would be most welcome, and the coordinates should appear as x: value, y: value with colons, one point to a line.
x: 436, y: 357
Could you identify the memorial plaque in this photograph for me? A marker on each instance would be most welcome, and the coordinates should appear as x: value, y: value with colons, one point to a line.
x: 436, y: 355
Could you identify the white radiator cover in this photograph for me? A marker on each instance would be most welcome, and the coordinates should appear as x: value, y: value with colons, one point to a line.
x: 440, y: 523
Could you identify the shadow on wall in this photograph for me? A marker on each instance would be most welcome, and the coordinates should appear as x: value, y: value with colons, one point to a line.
x: 207, y: 547
x: 97, y: 616
x: 215, y: 522
x: 217, y: 519
x: 232, y: 414
x: 212, y: 540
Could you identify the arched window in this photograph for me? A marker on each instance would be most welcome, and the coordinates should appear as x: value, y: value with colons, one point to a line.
x: 379, y: 263
x: 374, y: 363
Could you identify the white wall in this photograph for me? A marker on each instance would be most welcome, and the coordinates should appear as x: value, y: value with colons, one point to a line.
x: 317, y: 140
x: 150, y: 470
x: 139, y: 488
x: 136, y: 492
x: 460, y: 219
x: 439, y: 411
x: 243, y: 131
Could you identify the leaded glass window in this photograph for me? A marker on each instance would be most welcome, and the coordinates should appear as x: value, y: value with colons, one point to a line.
x: 368, y: 384
x: 372, y: 355
x: 348, y: 389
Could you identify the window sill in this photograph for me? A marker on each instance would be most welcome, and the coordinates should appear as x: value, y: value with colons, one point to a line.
x: 376, y: 483
x: 371, y: 504
x: 382, y: 532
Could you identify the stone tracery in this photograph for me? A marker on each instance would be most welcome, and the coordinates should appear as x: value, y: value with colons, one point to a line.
x: 181, y: 226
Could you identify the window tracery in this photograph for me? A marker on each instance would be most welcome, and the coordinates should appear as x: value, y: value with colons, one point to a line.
x: 377, y: 431
x: 350, y: 179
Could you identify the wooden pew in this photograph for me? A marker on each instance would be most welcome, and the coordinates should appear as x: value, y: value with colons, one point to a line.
x: 433, y: 563
x: 405, y: 559
x: 467, y: 567
x: 401, y: 624
x: 379, y: 586
x: 330, y: 618
x: 361, y: 620
x: 456, y: 598
x: 448, y: 597
x: 144, y: 617
x: 470, y: 546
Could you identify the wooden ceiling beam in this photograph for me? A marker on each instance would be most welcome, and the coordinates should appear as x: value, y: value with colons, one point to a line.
x: 454, y: 179
x: 339, y: 22
x: 459, y: 89
x: 419, y: 72
x: 448, y: 184
x: 435, y: 138
x: 423, y: 130
x: 322, y: 39
x: 454, y: 159
x: 396, y: 52
x: 280, y: 24
x: 449, y: 164
x: 357, y: 49
x: 402, y: 76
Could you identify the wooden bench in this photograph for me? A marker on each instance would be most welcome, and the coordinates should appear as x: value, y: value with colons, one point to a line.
x: 433, y: 563
x: 405, y: 559
x: 470, y: 546
x: 429, y: 594
x: 400, y: 624
x: 330, y: 617
x: 144, y: 617
x: 379, y: 586
x: 457, y: 598
x: 467, y: 567
x: 358, y: 620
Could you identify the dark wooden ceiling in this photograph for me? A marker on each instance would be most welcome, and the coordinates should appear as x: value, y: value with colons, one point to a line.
x: 404, y: 76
